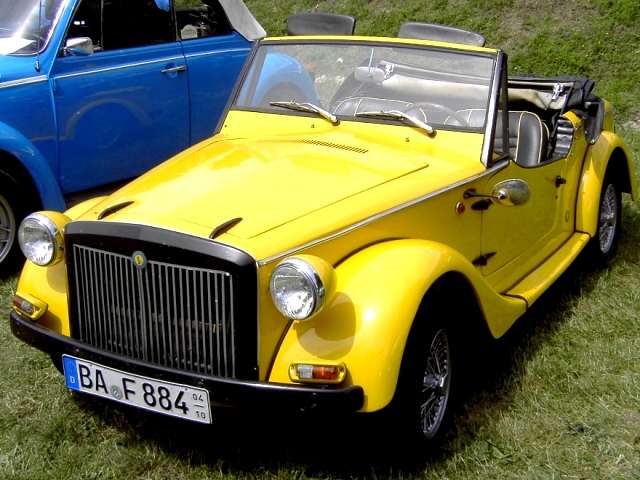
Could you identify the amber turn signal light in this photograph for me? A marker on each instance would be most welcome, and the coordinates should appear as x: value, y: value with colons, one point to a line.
x: 29, y: 306
x: 310, y: 373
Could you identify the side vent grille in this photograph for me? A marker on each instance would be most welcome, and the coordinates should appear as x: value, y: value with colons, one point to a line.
x: 564, y: 139
x: 348, y: 148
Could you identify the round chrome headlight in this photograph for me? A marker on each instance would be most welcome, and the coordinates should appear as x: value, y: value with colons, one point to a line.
x: 297, y: 289
x: 40, y: 240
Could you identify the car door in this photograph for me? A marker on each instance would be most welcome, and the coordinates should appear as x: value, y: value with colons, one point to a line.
x: 215, y: 54
x: 516, y: 238
x: 123, y: 108
x: 524, y: 219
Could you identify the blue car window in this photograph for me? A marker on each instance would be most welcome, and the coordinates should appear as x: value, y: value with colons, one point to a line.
x: 117, y: 24
x: 164, y: 5
x: 197, y: 19
x: 87, y: 22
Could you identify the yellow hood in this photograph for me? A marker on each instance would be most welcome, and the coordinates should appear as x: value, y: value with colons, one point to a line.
x: 266, y: 182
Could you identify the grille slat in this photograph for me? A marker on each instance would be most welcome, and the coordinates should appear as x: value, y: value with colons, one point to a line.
x: 170, y: 315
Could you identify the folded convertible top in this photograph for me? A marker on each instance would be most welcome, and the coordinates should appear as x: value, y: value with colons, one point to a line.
x: 581, y: 90
x: 242, y: 20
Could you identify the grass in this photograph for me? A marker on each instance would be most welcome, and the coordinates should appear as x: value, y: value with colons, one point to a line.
x: 558, y: 398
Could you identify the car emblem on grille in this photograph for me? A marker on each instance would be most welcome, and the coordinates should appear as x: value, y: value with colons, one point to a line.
x: 139, y: 260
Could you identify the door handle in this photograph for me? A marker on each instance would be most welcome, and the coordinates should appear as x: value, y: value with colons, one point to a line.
x: 560, y: 181
x: 176, y: 69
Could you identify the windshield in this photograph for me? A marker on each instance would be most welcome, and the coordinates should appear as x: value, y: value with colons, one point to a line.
x: 26, y: 25
x: 444, y: 88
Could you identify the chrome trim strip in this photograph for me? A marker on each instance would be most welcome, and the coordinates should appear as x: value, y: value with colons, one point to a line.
x: 495, y: 168
x: 216, y: 52
x: 117, y: 67
x: 23, y: 81
x: 492, y: 111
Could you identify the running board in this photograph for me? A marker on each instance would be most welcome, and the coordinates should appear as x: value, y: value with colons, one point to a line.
x: 538, y: 281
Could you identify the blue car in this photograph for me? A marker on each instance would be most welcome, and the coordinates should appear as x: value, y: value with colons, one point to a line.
x: 94, y: 92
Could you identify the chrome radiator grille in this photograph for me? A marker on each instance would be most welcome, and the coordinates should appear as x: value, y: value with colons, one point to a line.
x: 170, y: 315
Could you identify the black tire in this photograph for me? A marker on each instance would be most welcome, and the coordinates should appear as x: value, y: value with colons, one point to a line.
x: 429, y: 376
x: 604, y: 244
x: 12, y: 211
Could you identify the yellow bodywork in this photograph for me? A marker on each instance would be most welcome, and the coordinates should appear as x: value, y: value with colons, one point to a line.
x: 384, y: 206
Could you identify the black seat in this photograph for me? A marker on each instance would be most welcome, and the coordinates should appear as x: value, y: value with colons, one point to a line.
x: 528, y: 135
x: 440, y: 33
x: 313, y: 23
x: 528, y: 138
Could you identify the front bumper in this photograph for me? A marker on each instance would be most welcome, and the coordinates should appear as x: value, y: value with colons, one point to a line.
x: 223, y: 392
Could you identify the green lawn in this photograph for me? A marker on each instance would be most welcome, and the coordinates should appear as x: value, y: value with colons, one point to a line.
x: 558, y: 398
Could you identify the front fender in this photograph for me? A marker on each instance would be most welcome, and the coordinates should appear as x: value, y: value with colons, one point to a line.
x: 51, y: 282
x: 594, y: 170
x: 367, y: 321
x: 18, y: 146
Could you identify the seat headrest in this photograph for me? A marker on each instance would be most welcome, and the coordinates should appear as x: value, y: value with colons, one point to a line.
x: 321, y: 24
x: 528, y: 138
x: 440, y: 33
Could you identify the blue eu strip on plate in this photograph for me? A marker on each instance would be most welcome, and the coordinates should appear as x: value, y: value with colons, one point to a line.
x: 71, y: 373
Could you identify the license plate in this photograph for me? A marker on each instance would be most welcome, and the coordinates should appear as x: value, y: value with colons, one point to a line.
x: 167, y: 398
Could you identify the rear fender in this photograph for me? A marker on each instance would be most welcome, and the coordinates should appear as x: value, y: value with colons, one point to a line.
x: 365, y: 324
x: 609, y: 148
x: 18, y: 146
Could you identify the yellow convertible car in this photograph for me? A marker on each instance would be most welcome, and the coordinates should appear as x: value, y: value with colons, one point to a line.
x: 368, y: 210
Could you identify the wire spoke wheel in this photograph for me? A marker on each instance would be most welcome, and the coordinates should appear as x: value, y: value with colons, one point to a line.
x: 7, y: 228
x: 436, y: 385
x: 608, y: 221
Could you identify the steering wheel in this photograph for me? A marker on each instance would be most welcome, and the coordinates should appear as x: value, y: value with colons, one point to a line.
x: 448, y: 113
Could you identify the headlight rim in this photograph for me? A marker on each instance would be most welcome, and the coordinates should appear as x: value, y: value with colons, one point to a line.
x: 311, y: 275
x: 54, y: 233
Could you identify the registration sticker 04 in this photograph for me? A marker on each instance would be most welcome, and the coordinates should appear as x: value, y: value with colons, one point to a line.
x: 173, y: 399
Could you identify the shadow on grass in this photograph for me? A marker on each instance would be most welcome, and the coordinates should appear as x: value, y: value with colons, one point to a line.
x: 352, y: 447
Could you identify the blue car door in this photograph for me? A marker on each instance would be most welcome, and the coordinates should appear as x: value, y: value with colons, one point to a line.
x: 215, y: 55
x: 125, y: 107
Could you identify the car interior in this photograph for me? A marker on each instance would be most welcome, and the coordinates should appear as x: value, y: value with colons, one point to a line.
x: 116, y: 24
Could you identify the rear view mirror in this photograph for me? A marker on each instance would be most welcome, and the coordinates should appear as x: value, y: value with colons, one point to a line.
x: 81, y: 47
x: 370, y: 75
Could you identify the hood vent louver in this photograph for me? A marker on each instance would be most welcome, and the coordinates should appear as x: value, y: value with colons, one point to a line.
x: 113, y: 209
x: 225, y: 227
x: 348, y: 148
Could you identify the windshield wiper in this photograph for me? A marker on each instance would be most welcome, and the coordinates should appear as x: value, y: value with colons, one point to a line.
x: 309, y: 108
x: 398, y: 115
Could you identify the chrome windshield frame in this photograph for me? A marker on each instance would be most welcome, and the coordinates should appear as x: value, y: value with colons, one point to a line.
x: 492, y: 110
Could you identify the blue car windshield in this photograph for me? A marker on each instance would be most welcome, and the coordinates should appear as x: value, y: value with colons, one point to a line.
x: 27, y: 25
x: 447, y: 88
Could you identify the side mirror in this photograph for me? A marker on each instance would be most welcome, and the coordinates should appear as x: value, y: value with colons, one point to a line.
x: 370, y: 75
x: 81, y: 47
x: 511, y: 193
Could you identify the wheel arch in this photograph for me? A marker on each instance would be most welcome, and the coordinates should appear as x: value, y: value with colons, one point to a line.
x: 618, y: 167
x: 23, y: 161
x: 12, y: 167
x: 609, y: 155
x: 453, y: 286
x: 380, y: 292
